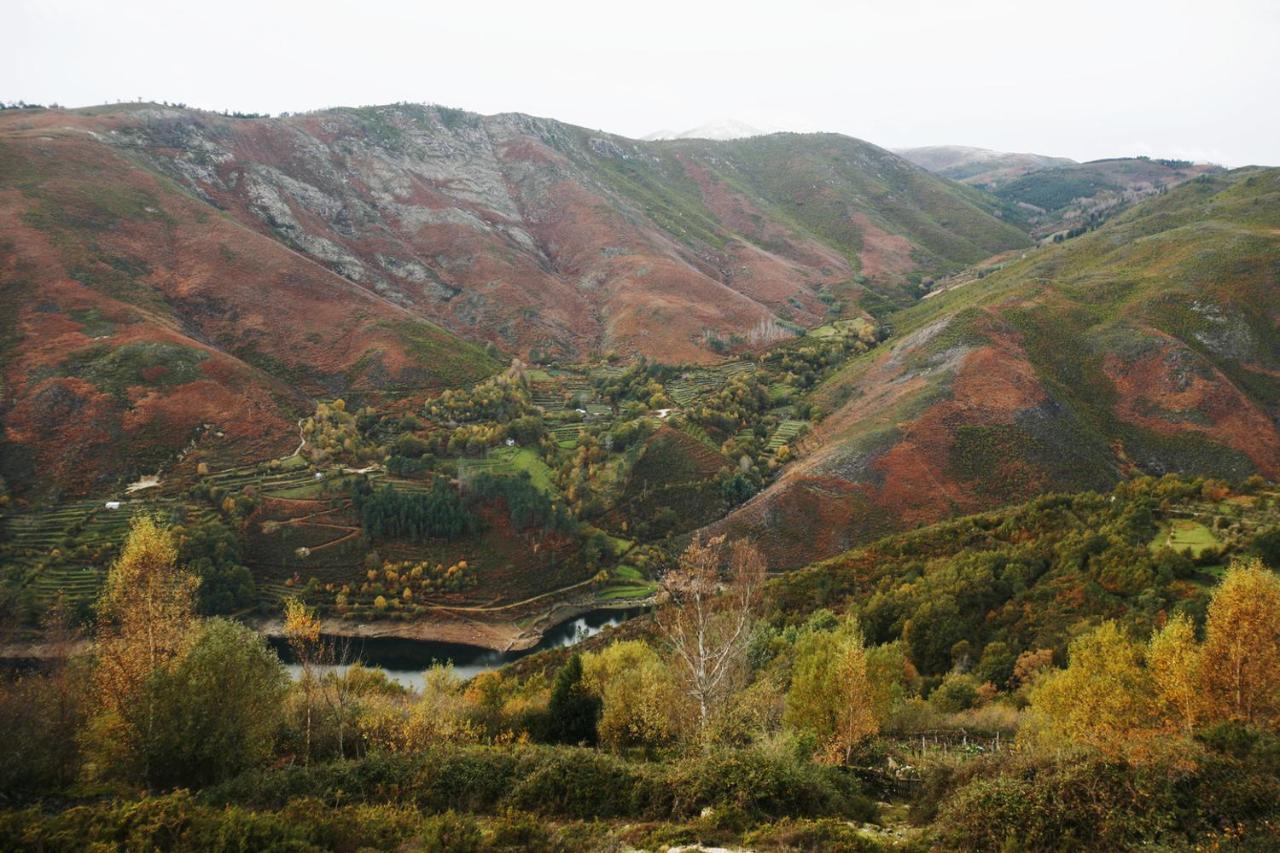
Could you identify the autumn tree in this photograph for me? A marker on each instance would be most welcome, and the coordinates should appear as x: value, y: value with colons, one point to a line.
x: 1174, y: 660
x: 302, y: 631
x: 831, y: 692
x: 146, y: 610
x: 637, y: 692
x: 1104, y: 700
x: 40, y: 713
x: 706, y: 620
x: 1241, y: 652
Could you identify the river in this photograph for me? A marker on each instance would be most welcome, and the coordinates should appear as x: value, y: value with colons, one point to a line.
x: 405, y: 660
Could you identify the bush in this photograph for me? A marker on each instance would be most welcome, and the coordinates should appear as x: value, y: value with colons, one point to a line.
x: 956, y: 693
x: 580, y: 783
x: 565, y: 782
x: 177, y: 822
x: 824, y: 834
x: 217, y: 712
x: 762, y: 785
x: 1093, y: 804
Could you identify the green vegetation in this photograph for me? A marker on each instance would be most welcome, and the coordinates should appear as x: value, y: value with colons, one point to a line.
x: 116, y: 369
x: 1128, y: 731
x: 1185, y: 535
x: 416, y: 516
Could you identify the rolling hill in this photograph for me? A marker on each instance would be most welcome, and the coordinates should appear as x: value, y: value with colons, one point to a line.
x: 1048, y: 195
x: 1149, y: 345
x: 979, y: 167
x: 1080, y: 195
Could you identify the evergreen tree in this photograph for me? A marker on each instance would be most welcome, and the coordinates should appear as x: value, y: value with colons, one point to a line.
x: 574, y: 711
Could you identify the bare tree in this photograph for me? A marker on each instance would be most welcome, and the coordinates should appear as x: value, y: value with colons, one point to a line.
x: 706, y: 618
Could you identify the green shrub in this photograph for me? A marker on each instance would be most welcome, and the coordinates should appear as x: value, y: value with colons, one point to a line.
x: 217, y: 712
x: 825, y: 834
x: 762, y: 785
x: 565, y: 782
x: 1092, y: 804
x: 578, y: 783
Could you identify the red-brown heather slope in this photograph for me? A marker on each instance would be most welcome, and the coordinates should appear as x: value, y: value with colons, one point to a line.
x: 553, y: 241
x: 1150, y: 345
x: 135, y: 314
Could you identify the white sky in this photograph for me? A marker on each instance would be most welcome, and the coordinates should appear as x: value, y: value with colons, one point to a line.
x: 1079, y: 78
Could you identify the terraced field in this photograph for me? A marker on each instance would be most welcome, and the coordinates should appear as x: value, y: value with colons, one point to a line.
x: 566, y: 435
x: 693, y: 384
x: 77, y: 584
x: 786, y: 433
x: 66, y: 550
x: 510, y: 461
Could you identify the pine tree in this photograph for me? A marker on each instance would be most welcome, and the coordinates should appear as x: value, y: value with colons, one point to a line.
x: 574, y: 711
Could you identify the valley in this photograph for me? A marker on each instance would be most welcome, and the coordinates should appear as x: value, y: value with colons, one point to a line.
x: 400, y: 477
x: 483, y: 517
x: 560, y: 484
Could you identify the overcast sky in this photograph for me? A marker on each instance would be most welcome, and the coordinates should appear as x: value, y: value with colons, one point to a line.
x: 1076, y: 78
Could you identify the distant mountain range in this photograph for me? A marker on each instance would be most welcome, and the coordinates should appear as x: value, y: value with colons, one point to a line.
x: 165, y: 265
x: 978, y: 166
x: 1056, y: 195
x: 723, y: 129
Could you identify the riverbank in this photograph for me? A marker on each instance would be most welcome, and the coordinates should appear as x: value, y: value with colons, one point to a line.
x: 460, y: 626
x: 445, y: 626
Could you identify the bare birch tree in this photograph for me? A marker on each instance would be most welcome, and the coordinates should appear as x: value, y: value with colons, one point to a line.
x: 706, y: 617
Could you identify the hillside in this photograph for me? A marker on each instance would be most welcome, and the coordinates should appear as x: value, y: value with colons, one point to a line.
x: 556, y: 242
x: 1052, y: 195
x: 138, y: 320
x: 1148, y: 345
x: 1080, y: 195
x: 979, y: 167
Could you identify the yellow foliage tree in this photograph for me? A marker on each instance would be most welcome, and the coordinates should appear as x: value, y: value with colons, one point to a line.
x: 1174, y: 661
x: 831, y: 692
x: 302, y: 630
x: 638, y: 693
x: 442, y: 714
x: 1241, y: 650
x: 1104, y: 700
x: 144, y: 616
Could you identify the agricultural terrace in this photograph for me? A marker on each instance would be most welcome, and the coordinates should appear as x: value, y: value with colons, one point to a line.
x: 536, y: 483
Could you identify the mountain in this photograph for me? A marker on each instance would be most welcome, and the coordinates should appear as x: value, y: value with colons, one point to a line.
x: 723, y: 130
x: 979, y: 167
x: 1149, y: 345
x: 1048, y: 195
x: 1078, y: 196
x: 138, y: 319
x: 552, y: 241
x: 168, y: 269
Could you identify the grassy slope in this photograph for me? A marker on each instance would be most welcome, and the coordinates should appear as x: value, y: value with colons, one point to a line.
x: 821, y: 179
